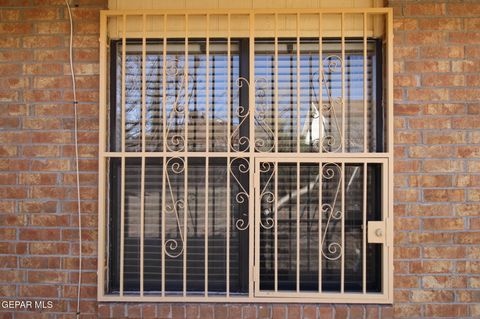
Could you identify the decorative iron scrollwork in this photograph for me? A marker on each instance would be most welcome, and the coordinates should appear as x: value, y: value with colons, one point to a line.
x: 172, y: 247
x: 267, y: 197
x: 177, y: 141
x: 243, y: 166
x: 334, y: 249
x: 328, y: 141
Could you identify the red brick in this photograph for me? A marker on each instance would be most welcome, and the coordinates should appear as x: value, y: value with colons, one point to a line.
x: 40, y: 14
x: 425, y: 9
x: 427, y: 66
x: 467, y: 238
x: 424, y: 37
x: 463, y: 9
x: 453, y: 137
x: 444, y: 195
x: 407, y: 109
x: 443, y: 80
x: 42, y: 68
x: 432, y: 267
x: 464, y: 37
x: 442, y: 282
x: 42, y: 41
x: 431, y: 181
x: 38, y: 291
x: 443, y: 52
x: 432, y: 295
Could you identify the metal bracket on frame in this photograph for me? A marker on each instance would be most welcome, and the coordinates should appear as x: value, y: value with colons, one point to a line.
x: 376, y: 232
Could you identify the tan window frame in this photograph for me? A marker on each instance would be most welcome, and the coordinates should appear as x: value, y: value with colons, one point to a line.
x: 114, y: 25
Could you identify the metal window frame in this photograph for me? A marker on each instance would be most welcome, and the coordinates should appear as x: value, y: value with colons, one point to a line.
x: 386, y: 158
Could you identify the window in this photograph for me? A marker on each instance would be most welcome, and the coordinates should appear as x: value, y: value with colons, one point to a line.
x: 246, y: 156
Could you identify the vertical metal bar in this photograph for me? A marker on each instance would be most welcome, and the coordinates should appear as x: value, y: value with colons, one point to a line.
x: 276, y: 84
x: 163, y: 255
x: 144, y: 76
x: 364, y: 230
x: 228, y: 228
x: 343, y: 81
x: 229, y: 105
x: 207, y: 162
x: 320, y: 221
x: 185, y: 230
x: 185, y: 182
x: 298, y: 83
x: 365, y: 104
x: 320, y: 84
x: 122, y: 223
x: 276, y: 225
x: 164, y: 168
x: 229, y: 70
x: 257, y: 206
x: 164, y: 84
x: 142, y: 173
x: 207, y: 138
x: 124, y: 50
x: 251, y: 106
x: 122, y: 173
x: 342, y: 276
x: 186, y: 86
x: 102, y: 171
x: 298, y: 228
x: 388, y: 248
x: 207, y: 87
x: 142, y: 223
x: 276, y: 150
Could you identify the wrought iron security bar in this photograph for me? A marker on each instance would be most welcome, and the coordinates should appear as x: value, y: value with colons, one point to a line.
x: 246, y: 155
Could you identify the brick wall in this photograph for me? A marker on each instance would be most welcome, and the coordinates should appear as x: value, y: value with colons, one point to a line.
x: 437, y: 192
x: 437, y: 158
x: 38, y: 235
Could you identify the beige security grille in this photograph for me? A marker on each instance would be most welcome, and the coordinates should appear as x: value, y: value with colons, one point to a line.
x: 246, y: 155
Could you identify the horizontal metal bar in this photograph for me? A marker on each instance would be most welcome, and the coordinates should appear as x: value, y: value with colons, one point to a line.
x: 183, y: 12
x: 261, y: 297
x: 323, y: 156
